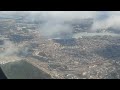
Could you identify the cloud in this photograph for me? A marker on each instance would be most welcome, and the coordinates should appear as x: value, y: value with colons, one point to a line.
x: 112, y: 20
x: 53, y: 20
x: 9, y: 48
x: 54, y: 23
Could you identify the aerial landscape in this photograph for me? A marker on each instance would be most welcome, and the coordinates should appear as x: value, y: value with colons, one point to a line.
x: 59, y: 45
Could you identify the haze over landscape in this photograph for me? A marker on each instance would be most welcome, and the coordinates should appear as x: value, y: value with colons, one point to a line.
x: 59, y: 44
